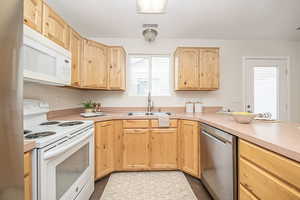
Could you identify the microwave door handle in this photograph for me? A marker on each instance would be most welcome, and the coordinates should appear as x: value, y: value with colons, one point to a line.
x: 61, y: 150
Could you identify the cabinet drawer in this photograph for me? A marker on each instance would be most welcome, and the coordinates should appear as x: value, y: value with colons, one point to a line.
x: 135, y: 131
x: 27, y: 163
x: 190, y: 123
x: 263, y: 184
x: 245, y: 194
x: 283, y: 168
x: 104, y: 124
x: 173, y: 123
x: 135, y: 123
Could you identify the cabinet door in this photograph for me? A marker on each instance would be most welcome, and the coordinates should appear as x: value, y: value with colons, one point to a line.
x: 190, y: 150
x: 55, y: 28
x: 33, y: 14
x: 27, y: 188
x: 76, y: 47
x: 95, y: 65
x: 104, y: 149
x: 136, y: 149
x: 188, y: 69
x: 27, y: 176
x: 118, y: 145
x: 117, y: 65
x: 163, y: 148
x: 209, y: 69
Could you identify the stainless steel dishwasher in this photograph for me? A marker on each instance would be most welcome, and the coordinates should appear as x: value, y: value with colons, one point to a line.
x: 218, y: 161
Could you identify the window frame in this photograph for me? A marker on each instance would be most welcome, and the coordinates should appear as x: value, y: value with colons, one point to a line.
x: 149, y: 57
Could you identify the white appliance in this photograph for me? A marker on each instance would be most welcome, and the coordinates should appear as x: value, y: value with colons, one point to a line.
x: 45, y: 61
x: 63, y: 162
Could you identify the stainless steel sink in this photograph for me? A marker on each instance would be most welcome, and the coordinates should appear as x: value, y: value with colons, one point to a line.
x: 148, y: 113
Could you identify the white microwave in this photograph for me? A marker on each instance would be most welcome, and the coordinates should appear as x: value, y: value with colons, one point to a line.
x: 45, y: 61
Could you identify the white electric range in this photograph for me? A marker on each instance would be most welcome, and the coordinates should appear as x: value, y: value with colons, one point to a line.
x: 63, y: 162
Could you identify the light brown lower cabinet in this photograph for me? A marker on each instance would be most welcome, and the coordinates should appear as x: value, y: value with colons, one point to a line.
x: 190, y: 147
x: 27, y: 176
x: 104, y: 144
x: 129, y: 145
x: 266, y: 175
x: 136, y: 149
x: 163, y: 148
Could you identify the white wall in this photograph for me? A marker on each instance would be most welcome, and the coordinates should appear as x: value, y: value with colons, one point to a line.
x: 230, y: 93
x: 59, y: 98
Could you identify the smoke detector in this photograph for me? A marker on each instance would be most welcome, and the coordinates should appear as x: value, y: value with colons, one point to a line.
x: 150, y: 32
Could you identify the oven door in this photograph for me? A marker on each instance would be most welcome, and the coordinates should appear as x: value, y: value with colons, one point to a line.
x: 66, y: 168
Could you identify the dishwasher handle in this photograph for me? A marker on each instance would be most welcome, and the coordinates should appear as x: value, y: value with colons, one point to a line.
x: 216, y: 137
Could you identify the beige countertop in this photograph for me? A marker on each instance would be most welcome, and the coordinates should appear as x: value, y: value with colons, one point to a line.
x: 280, y: 137
x: 28, y: 146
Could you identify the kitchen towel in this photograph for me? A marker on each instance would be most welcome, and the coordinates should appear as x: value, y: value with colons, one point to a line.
x: 163, y: 121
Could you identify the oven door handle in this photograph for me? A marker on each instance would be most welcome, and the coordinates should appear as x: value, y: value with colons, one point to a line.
x: 61, y: 150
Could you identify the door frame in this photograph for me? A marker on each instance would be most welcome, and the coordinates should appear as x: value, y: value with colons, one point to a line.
x: 280, y: 58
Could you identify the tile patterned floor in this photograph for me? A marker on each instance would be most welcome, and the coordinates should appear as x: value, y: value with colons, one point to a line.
x: 196, y: 185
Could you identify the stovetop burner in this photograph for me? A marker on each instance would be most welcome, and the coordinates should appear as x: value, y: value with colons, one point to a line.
x: 70, y: 123
x: 27, y: 131
x: 49, y: 123
x: 39, y: 135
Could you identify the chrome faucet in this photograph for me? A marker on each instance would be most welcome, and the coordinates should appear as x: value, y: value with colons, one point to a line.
x: 150, y: 103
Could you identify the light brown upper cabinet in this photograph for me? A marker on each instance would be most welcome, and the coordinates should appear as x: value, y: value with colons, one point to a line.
x: 76, y: 48
x: 196, y: 68
x: 116, y: 71
x: 187, y: 68
x: 94, y: 65
x: 163, y: 148
x: 104, y: 144
x: 190, y: 147
x: 209, y: 69
x: 33, y: 14
x: 55, y: 28
x: 94, y: 69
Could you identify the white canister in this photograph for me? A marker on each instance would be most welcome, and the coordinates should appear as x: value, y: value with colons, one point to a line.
x: 189, y: 107
x: 198, y: 107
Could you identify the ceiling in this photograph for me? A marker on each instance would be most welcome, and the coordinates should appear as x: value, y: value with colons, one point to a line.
x: 215, y: 19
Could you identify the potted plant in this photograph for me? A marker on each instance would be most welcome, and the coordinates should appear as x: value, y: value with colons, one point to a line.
x: 88, y: 106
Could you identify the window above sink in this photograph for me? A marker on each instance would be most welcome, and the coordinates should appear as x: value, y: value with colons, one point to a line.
x: 149, y: 73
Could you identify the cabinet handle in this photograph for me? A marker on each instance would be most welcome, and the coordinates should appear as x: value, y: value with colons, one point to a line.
x: 76, y: 83
x: 47, y: 24
x: 66, y: 61
x: 185, y: 82
x: 90, y: 61
x: 25, y: 20
x: 110, y: 66
x: 202, y: 74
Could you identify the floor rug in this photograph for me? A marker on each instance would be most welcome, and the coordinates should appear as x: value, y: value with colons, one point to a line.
x: 165, y: 185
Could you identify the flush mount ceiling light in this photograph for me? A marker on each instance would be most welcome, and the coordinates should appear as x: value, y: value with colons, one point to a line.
x: 150, y: 33
x: 151, y: 6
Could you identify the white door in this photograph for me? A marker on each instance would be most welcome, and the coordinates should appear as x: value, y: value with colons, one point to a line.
x: 266, y: 87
